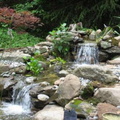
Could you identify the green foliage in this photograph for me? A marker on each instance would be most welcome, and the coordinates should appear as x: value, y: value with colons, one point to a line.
x: 61, y: 47
x: 60, y: 40
x: 34, y: 66
x: 59, y: 32
x: 10, y: 39
x: 88, y: 92
x: 106, y: 31
x: 92, y: 13
x: 58, y: 60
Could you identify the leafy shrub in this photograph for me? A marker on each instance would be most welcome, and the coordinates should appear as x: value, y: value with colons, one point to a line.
x: 18, y: 20
x: 58, y: 60
x: 60, y: 40
x: 34, y: 66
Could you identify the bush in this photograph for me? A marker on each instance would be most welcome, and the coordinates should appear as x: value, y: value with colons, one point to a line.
x: 18, y: 20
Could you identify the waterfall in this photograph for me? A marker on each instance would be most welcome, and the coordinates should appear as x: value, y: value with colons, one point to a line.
x: 87, y: 53
x: 21, y: 103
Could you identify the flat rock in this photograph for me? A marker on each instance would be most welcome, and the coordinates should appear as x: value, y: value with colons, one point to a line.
x: 50, y: 112
x: 95, y: 72
x: 106, y: 108
x: 42, y: 97
x: 16, y: 56
x: 109, y: 95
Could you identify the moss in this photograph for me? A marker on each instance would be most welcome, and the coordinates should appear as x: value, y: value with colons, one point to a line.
x: 77, y: 102
x: 49, y: 77
x: 88, y: 92
x: 115, y: 42
x: 93, y: 100
x: 40, y: 57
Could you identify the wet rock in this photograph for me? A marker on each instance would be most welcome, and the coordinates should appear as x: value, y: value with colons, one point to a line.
x: 114, y: 61
x: 95, y: 73
x: 38, y: 103
x: 103, y: 57
x: 6, y: 74
x: 63, y: 73
x: 42, y: 97
x: 105, y: 44
x: 109, y: 95
x: 35, y: 91
x: 30, y: 79
x: 50, y: 112
x: 6, y: 85
x: 47, y: 90
x: 19, y: 70
x: 105, y: 108
x: 113, y: 50
x: 4, y: 68
x: 69, y: 89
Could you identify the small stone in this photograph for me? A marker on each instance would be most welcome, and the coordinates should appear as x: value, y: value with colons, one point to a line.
x: 44, y: 84
x: 98, y: 31
x: 106, y: 37
x: 43, y: 97
x: 55, y: 87
x: 63, y: 73
x: 92, y: 36
x: 30, y: 79
x: 117, y: 38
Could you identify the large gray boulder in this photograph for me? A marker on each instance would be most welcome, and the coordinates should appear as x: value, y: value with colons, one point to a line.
x: 109, y: 95
x: 95, y: 72
x: 68, y: 89
x: 50, y: 112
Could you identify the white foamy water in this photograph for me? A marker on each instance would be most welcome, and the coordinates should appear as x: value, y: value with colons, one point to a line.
x: 87, y: 53
x: 21, y: 103
x: 12, y: 109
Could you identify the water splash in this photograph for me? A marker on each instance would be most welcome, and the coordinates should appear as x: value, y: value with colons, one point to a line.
x: 21, y: 103
x: 87, y: 53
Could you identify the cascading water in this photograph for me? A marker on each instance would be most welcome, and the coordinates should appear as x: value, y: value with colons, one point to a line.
x: 87, y: 53
x: 21, y: 103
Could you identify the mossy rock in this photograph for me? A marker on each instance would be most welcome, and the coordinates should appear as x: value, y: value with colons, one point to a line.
x: 115, y: 42
x: 88, y: 92
x: 49, y: 77
x: 82, y: 108
x: 40, y: 57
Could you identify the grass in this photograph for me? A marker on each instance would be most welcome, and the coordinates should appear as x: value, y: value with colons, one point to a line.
x: 11, y: 39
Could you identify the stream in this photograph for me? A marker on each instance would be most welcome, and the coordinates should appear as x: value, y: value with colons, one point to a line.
x: 20, y: 107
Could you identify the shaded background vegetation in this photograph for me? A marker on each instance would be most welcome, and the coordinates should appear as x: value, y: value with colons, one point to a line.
x: 92, y: 13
